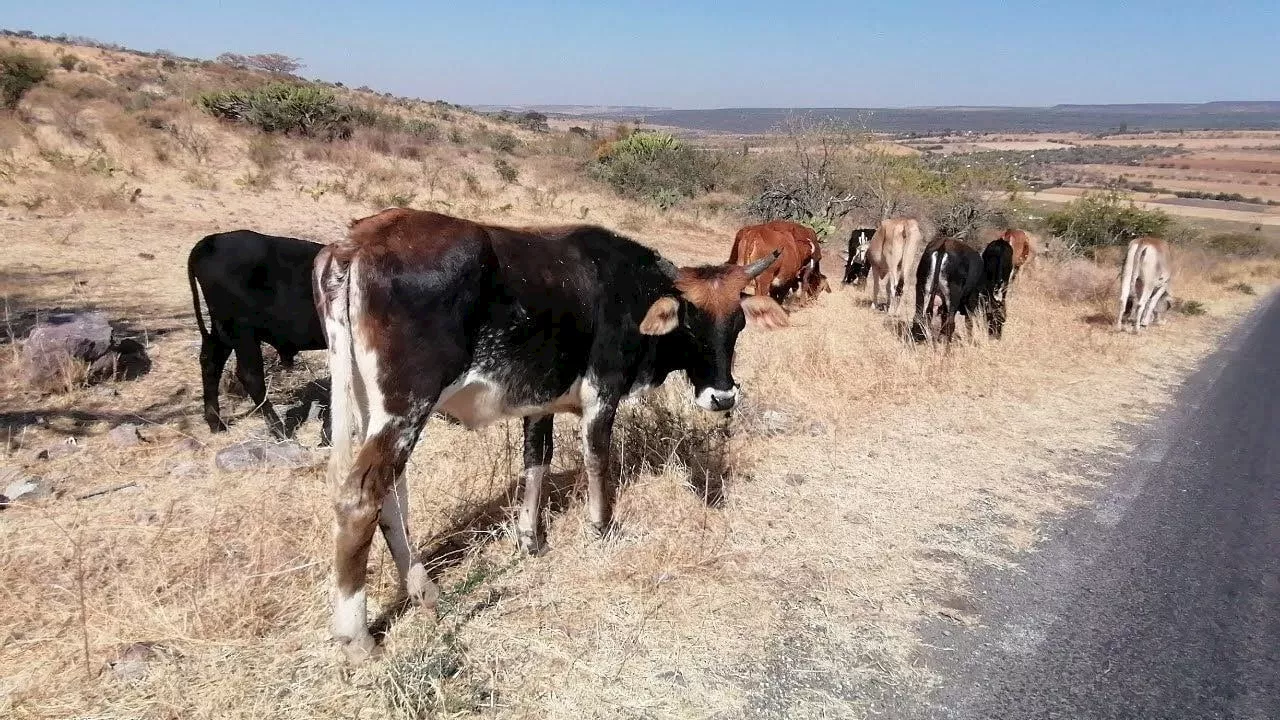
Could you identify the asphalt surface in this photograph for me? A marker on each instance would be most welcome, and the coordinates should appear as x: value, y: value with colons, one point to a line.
x: 1162, y: 599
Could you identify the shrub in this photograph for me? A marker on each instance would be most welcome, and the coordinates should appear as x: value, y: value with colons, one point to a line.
x: 283, y: 108
x: 655, y: 167
x: 1106, y: 219
x: 1237, y: 244
x: 503, y: 142
x: 264, y: 152
x: 18, y: 74
x: 1191, y: 307
x: 1243, y: 288
x: 508, y: 172
x: 68, y: 62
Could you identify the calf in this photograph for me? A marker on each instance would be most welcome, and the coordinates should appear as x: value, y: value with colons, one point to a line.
x: 892, y: 249
x: 257, y: 289
x: 428, y: 312
x: 1146, y: 276
x: 855, y: 265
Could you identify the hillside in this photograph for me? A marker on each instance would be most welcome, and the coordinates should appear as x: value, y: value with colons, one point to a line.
x: 775, y: 563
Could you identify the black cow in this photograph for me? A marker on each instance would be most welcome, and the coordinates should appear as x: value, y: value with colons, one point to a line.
x: 257, y: 289
x: 997, y: 272
x: 855, y: 264
x: 426, y: 311
x: 948, y: 278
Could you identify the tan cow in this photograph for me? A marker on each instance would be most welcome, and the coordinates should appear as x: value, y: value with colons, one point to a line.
x: 1146, y: 276
x: 893, y: 250
x: 1024, y: 248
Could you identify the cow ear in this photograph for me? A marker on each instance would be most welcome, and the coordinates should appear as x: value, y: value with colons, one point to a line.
x: 764, y: 313
x: 662, y: 318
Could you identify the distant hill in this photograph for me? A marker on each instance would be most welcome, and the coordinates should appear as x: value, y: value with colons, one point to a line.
x: 1220, y: 115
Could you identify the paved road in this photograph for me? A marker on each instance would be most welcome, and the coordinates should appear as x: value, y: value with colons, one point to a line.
x: 1163, y: 599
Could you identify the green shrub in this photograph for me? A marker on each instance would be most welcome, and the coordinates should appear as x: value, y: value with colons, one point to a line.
x: 655, y: 167
x: 18, y: 74
x: 1191, y: 307
x: 1106, y: 219
x: 503, y: 142
x: 1238, y: 244
x: 68, y: 62
x: 508, y: 172
x: 283, y: 108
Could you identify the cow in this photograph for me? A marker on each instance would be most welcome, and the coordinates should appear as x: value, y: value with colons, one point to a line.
x: 1024, y: 248
x: 953, y: 277
x: 997, y: 272
x: 257, y: 289
x: 799, y: 265
x: 892, y: 249
x: 855, y: 263
x: 1146, y: 275
x: 427, y: 312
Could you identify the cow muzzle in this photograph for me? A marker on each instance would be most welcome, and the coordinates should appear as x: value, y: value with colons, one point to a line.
x: 714, y: 400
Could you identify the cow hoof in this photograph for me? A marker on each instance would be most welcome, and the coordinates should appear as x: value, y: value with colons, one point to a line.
x: 528, y: 543
x: 360, y: 650
x: 421, y: 591
x: 216, y: 425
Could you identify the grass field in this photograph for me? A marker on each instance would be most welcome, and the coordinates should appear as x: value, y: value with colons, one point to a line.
x: 781, y: 573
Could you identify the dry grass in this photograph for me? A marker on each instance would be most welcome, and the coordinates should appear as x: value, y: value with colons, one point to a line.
x: 780, y: 571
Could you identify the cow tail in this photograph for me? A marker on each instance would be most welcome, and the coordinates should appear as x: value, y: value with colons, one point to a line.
x: 195, y: 298
x: 331, y: 279
x: 1126, y: 280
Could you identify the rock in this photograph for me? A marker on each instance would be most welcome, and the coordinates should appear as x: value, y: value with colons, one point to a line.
x: 186, y: 470
x: 793, y: 479
x: 126, y: 435
x: 126, y: 360
x: 59, y: 450
x: 190, y: 444
x: 22, y: 487
x: 257, y: 454
x: 63, y: 339
x: 133, y: 661
x: 774, y: 422
x: 817, y: 429
x: 675, y: 677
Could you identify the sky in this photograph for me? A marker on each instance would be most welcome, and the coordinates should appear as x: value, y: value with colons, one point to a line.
x: 699, y: 54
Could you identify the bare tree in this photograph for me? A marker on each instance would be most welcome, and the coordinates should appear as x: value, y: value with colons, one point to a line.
x: 274, y: 63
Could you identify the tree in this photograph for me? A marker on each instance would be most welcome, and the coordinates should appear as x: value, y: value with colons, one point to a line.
x: 274, y: 63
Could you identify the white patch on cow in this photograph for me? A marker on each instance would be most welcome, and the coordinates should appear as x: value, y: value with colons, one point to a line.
x: 528, y: 520
x: 349, y: 615
x: 477, y: 400
x: 709, y: 398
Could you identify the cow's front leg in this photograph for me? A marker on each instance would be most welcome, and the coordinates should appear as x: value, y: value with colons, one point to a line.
x: 537, y: 461
x: 597, y: 433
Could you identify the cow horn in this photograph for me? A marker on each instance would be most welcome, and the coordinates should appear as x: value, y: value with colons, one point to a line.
x: 761, y: 265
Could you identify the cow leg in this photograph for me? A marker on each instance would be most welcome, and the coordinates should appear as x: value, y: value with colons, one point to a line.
x: 874, y: 277
x: 1142, y: 306
x: 537, y: 461
x: 393, y: 521
x: 252, y: 374
x: 1152, y: 302
x: 213, y: 358
x: 597, y: 432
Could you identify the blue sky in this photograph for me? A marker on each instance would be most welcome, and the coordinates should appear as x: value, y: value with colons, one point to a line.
x: 751, y: 53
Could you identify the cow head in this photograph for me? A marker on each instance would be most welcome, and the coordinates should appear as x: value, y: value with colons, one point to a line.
x: 703, y: 321
x: 855, y: 266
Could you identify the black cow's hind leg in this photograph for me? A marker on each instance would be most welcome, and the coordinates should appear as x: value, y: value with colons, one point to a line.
x: 213, y: 358
x: 537, y: 462
x: 252, y: 375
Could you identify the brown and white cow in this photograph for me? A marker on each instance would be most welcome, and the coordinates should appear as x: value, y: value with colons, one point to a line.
x: 1024, y: 249
x: 1146, y: 276
x: 425, y: 312
x: 892, y: 251
x: 799, y: 265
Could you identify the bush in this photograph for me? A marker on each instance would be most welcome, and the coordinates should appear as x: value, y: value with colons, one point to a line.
x: 655, y: 167
x: 508, y: 172
x: 503, y: 142
x: 1106, y: 219
x: 18, y: 74
x: 1236, y: 244
x: 1191, y: 307
x: 68, y: 62
x: 283, y: 108
x: 1243, y: 288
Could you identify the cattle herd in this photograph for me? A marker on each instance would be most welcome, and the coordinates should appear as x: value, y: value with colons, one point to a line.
x: 424, y: 313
